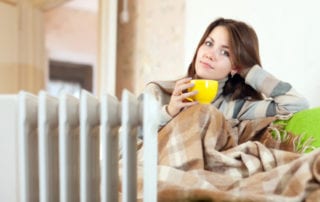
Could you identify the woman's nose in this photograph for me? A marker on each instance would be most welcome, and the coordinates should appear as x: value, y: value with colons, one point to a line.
x: 213, y: 54
x: 210, y: 56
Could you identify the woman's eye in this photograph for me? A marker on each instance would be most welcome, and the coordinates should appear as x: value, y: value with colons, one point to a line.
x: 225, y: 53
x: 208, y: 43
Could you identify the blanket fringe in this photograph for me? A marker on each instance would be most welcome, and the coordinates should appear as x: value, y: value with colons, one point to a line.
x: 277, y: 137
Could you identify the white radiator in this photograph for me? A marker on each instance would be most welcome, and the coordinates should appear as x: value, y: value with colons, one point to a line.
x: 68, y: 148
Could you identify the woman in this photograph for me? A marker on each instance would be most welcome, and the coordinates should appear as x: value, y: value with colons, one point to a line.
x: 229, y: 52
x: 221, y: 151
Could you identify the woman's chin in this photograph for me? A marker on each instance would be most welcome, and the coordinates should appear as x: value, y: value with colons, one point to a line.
x: 204, y: 75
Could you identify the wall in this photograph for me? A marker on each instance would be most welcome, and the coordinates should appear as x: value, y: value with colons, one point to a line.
x: 288, y: 32
x: 71, y: 34
x: 9, y: 48
x: 150, y: 45
x: 22, y: 58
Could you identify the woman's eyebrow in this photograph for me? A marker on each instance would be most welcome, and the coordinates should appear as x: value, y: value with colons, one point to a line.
x: 209, y: 37
x: 223, y: 46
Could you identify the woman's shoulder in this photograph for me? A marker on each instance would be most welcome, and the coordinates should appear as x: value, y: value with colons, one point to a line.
x: 162, y: 90
x: 166, y: 86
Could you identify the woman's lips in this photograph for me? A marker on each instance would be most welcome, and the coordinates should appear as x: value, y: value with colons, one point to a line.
x: 206, y: 65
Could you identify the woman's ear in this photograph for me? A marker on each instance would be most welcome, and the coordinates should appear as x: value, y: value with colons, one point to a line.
x: 234, y: 71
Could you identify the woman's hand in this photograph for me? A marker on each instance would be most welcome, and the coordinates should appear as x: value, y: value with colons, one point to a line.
x: 179, y: 95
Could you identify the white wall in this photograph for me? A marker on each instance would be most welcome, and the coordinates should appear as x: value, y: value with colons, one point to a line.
x: 288, y: 32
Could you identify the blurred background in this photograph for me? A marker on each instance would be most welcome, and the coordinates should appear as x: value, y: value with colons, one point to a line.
x: 104, y: 46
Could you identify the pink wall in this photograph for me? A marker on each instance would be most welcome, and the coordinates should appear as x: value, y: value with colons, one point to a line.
x: 71, y: 32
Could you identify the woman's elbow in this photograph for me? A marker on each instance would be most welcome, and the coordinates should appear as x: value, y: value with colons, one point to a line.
x: 298, y: 105
x: 304, y: 104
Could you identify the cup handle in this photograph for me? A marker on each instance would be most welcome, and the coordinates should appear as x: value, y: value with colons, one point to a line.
x: 189, y: 99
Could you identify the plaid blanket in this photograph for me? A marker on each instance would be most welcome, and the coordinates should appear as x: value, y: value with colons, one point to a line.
x: 203, y: 157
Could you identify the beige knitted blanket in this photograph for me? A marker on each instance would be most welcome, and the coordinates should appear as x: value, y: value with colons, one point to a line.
x: 203, y: 157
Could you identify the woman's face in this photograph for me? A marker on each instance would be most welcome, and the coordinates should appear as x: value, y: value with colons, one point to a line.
x: 213, y: 56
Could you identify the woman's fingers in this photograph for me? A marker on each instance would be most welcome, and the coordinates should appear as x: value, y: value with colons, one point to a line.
x: 184, y: 96
x: 184, y: 80
x: 179, y: 96
x: 181, y: 86
x: 181, y: 92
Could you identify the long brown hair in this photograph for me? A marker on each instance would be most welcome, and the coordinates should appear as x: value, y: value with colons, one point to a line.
x: 244, y: 54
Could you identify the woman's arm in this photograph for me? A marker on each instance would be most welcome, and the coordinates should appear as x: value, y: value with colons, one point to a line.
x: 283, y: 99
x: 171, y: 96
x: 163, y: 99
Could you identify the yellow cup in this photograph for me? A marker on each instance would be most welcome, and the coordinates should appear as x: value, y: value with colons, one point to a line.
x: 207, y: 90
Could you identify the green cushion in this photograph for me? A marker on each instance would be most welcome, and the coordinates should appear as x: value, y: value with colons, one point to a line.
x: 307, y: 124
